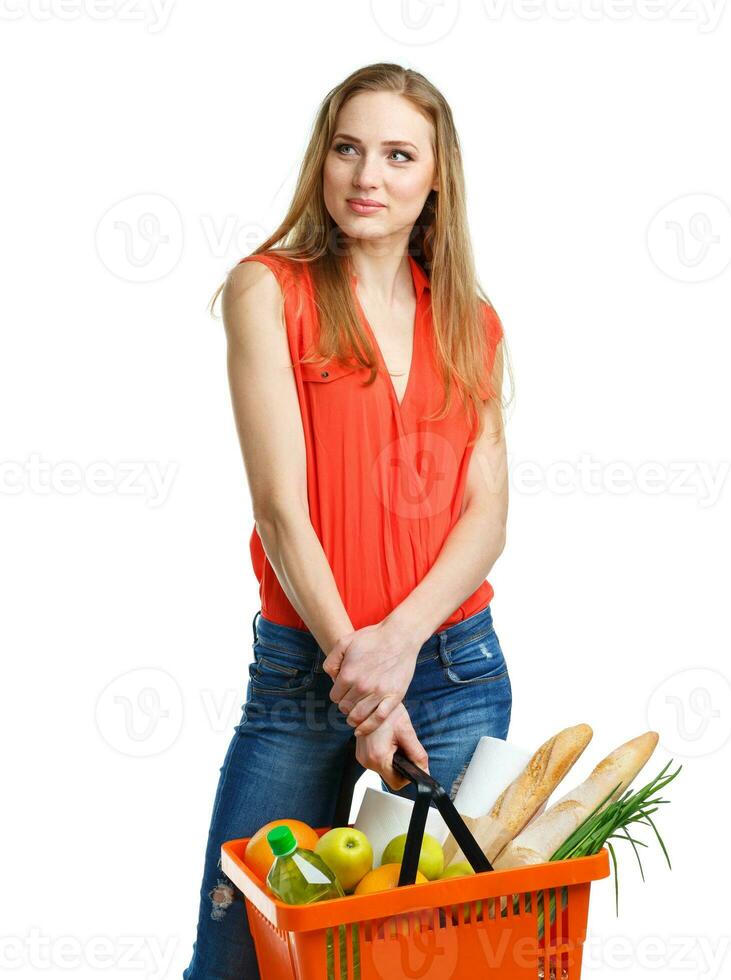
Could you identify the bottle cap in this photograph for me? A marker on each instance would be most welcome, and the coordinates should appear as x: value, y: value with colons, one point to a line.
x: 281, y: 840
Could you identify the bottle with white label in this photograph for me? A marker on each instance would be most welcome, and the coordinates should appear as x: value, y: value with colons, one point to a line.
x: 299, y: 876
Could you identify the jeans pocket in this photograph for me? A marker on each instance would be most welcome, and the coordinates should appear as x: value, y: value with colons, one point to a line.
x: 276, y: 670
x: 477, y: 661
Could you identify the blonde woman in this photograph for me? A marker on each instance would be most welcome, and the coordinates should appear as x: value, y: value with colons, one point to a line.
x: 366, y: 373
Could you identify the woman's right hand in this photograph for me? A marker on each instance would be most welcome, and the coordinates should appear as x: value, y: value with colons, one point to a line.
x: 375, y: 751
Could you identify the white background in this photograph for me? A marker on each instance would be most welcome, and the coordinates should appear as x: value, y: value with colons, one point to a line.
x: 596, y: 147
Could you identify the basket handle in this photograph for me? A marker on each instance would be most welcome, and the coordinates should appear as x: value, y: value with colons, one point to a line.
x: 428, y: 789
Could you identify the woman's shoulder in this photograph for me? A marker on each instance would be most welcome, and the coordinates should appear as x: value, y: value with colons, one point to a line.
x: 492, y: 322
x: 271, y: 277
x: 287, y: 270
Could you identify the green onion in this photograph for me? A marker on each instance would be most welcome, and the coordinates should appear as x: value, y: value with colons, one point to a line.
x: 605, y: 825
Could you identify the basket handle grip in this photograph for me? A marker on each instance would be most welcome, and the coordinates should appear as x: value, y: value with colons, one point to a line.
x: 428, y: 789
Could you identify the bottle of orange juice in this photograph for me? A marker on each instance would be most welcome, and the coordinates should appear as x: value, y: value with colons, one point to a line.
x: 299, y: 876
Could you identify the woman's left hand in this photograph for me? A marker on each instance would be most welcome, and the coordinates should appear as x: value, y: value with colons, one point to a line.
x: 372, y: 669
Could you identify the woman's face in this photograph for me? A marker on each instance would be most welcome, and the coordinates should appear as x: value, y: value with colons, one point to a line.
x: 381, y: 152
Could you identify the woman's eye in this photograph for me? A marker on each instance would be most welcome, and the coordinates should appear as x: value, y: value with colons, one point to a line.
x: 339, y: 147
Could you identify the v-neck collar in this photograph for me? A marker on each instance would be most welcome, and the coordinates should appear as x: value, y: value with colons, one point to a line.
x: 421, y: 283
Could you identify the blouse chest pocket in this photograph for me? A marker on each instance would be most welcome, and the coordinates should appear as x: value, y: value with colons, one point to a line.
x: 333, y: 396
x: 327, y: 372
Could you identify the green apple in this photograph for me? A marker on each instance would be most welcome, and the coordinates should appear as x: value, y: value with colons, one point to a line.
x: 458, y: 869
x: 348, y: 853
x: 431, y: 856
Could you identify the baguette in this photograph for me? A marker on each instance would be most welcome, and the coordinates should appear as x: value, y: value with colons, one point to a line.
x: 522, y: 799
x: 545, y: 835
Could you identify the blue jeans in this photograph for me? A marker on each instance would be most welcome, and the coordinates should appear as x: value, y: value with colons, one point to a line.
x: 286, y: 755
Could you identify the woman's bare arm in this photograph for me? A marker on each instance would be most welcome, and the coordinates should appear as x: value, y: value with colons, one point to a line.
x: 269, y: 426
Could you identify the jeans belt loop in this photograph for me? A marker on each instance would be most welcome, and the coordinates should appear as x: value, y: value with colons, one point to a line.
x: 443, y: 654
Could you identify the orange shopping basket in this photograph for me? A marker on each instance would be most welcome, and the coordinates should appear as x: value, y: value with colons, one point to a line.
x: 519, y: 924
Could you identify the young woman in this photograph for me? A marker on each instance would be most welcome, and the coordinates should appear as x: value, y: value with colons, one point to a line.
x: 366, y: 376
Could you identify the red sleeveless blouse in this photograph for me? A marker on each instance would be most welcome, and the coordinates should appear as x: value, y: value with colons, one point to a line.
x: 384, y: 488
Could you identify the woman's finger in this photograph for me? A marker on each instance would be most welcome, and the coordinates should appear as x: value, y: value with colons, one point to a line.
x: 362, y: 710
x: 333, y: 662
x: 381, y: 711
x: 389, y: 775
x: 340, y: 690
x: 410, y: 745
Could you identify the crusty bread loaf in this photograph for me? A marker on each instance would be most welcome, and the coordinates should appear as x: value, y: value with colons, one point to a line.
x: 522, y: 799
x: 546, y: 833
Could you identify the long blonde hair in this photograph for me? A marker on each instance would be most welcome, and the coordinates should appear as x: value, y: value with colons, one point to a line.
x: 439, y: 242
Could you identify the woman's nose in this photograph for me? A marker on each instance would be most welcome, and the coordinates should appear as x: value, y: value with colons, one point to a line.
x: 367, y: 175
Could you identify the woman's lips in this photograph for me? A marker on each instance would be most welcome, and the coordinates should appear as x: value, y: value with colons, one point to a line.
x: 364, y: 207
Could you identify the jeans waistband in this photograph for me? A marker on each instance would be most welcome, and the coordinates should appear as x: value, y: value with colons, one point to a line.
x: 302, y: 641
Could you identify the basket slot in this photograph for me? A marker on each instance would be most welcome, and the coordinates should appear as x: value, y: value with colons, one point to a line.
x: 459, y: 919
x: 437, y: 919
x: 406, y: 924
x: 555, y: 947
x: 342, y: 951
x: 353, y: 949
x: 564, y: 962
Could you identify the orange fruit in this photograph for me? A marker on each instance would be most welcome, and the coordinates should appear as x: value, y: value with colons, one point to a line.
x: 258, y: 854
x: 382, y: 878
